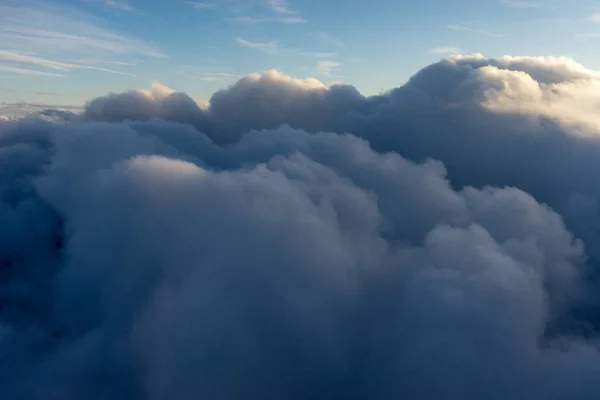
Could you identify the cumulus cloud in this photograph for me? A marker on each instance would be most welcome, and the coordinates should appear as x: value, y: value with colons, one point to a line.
x: 522, y: 103
x: 293, y: 240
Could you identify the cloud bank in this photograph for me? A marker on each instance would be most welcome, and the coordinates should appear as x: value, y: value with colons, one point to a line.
x: 293, y: 240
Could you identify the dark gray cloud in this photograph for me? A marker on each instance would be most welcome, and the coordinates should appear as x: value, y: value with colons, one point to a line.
x: 156, y: 249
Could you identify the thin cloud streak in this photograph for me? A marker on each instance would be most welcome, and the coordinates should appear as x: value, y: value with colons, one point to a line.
x: 13, y: 57
x: 24, y: 71
x: 317, y: 54
x: 445, y: 50
x: 104, y: 62
x: 280, y: 6
x: 210, y: 76
x: 271, y: 47
x: 120, y: 5
x: 202, y: 6
x: 464, y: 28
x: 520, y: 4
x: 325, y: 68
x: 260, y: 20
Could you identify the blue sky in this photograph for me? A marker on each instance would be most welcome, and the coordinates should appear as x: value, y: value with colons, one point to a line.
x: 64, y: 52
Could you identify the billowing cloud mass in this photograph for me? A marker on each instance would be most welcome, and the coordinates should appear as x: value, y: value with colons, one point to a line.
x: 292, y: 240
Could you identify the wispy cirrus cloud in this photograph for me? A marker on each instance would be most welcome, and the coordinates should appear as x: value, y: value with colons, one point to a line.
x: 270, y: 47
x: 92, y: 61
x: 520, y: 4
x: 260, y: 20
x: 120, y: 5
x: 25, y: 71
x: 273, y: 47
x: 325, y: 68
x: 193, y: 73
x: 280, y: 6
x: 35, y: 93
x: 36, y: 35
x: 274, y: 6
x: 476, y: 31
x: 317, y: 54
x: 202, y: 5
x: 445, y: 50
x: 254, y: 11
x: 12, y: 57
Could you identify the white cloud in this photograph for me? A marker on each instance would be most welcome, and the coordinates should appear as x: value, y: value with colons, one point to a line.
x: 280, y: 6
x: 191, y: 72
x: 468, y: 29
x: 103, y: 62
x: 595, y: 17
x: 271, y: 47
x: 217, y: 75
x: 521, y: 4
x: 260, y: 20
x: 18, y: 58
x: 9, y: 56
x: 325, y: 68
x: 120, y: 5
x: 201, y: 5
x: 25, y: 71
x: 445, y: 50
x: 254, y: 11
x: 157, y: 91
x: 316, y: 54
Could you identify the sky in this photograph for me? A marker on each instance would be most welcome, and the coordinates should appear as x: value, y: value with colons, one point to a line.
x: 65, y: 52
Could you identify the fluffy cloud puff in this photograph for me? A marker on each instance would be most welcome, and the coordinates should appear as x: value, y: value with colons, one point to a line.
x: 154, y: 249
x: 529, y: 122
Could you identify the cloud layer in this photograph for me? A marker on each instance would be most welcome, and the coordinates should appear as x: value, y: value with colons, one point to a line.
x: 293, y: 240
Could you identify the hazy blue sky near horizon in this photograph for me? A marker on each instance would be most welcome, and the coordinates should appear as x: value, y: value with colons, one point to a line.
x: 64, y: 52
